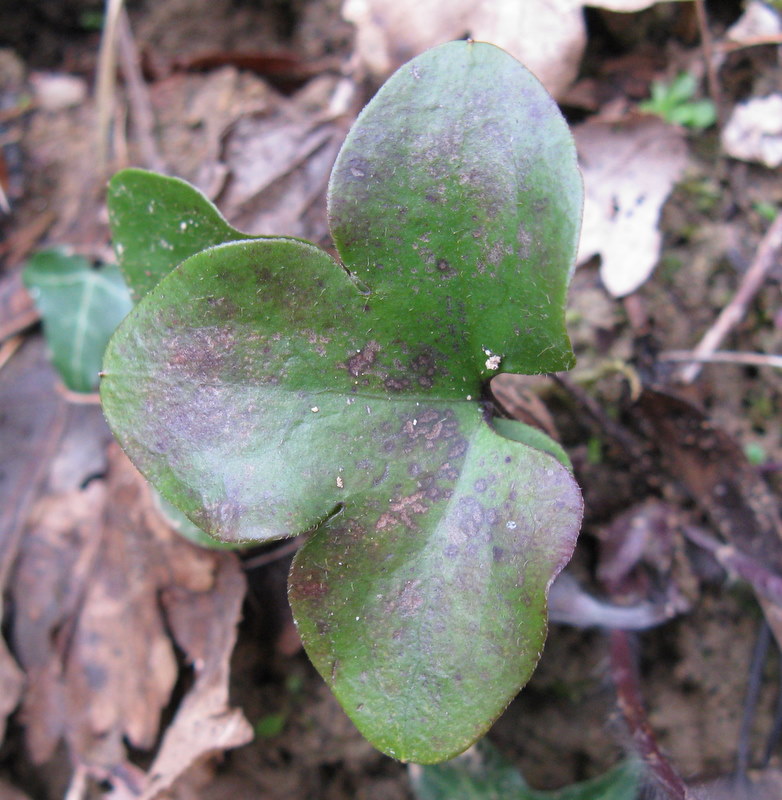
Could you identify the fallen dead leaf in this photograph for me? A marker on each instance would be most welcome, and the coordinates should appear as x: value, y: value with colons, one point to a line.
x: 629, y: 170
x: 279, y: 163
x: 11, y: 686
x: 758, y: 21
x: 103, y: 591
x: 624, y: 6
x: 8, y: 792
x: 720, y: 479
x: 547, y: 36
x: 31, y: 424
x: 754, y: 131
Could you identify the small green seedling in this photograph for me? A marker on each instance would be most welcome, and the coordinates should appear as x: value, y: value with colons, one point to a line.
x: 675, y: 103
x: 268, y: 390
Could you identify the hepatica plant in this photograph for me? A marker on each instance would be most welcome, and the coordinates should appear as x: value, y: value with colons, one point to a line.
x: 268, y: 390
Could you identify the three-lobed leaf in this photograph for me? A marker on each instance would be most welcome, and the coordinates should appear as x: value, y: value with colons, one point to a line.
x: 266, y: 391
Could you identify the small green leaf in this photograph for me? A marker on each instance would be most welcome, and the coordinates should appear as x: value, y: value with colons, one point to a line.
x: 270, y: 726
x: 675, y: 103
x: 483, y: 774
x: 266, y: 390
x: 80, y: 307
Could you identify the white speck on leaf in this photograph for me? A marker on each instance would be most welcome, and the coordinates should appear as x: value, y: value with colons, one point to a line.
x: 493, y: 361
x: 510, y: 525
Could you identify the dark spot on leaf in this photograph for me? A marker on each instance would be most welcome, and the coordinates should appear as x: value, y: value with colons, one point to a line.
x: 363, y: 359
x: 376, y: 481
x: 408, y: 600
x: 310, y: 587
x: 396, y: 384
x: 403, y: 511
x: 458, y: 448
x: 480, y: 485
x: 445, y: 269
x: 470, y: 516
x: 424, y: 366
x: 497, y: 553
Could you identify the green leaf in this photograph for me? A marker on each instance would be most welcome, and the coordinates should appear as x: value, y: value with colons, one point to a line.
x: 483, y: 774
x: 157, y: 222
x: 80, y: 307
x: 265, y: 390
x: 534, y: 437
x: 675, y: 104
x: 456, y: 197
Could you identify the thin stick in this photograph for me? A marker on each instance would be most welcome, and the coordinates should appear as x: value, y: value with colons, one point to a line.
x: 708, y: 53
x: 138, y: 95
x: 754, y: 685
x: 107, y: 64
x: 736, y: 309
x: 723, y: 357
x: 269, y: 558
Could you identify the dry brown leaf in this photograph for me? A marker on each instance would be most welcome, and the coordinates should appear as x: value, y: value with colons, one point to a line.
x: 194, y: 111
x: 11, y: 685
x: 548, y: 36
x: 759, y: 20
x: 8, y: 792
x: 629, y: 170
x: 624, y: 6
x: 31, y: 423
x: 729, y: 491
x: 754, y: 131
x: 204, y: 724
x: 279, y: 162
x: 101, y: 586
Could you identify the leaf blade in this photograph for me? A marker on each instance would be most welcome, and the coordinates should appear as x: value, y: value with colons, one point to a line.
x: 481, y: 225
x: 426, y: 635
x: 80, y: 307
x: 157, y: 222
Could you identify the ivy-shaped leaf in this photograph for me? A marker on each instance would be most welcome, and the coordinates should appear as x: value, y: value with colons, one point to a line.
x: 484, y: 774
x: 266, y: 391
x: 80, y: 307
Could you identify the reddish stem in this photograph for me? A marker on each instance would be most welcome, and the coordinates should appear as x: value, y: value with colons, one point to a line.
x: 625, y: 676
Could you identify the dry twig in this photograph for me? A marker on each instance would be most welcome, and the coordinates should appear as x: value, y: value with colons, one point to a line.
x: 723, y: 357
x: 707, y: 43
x: 138, y: 96
x: 736, y: 309
x: 106, y: 79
